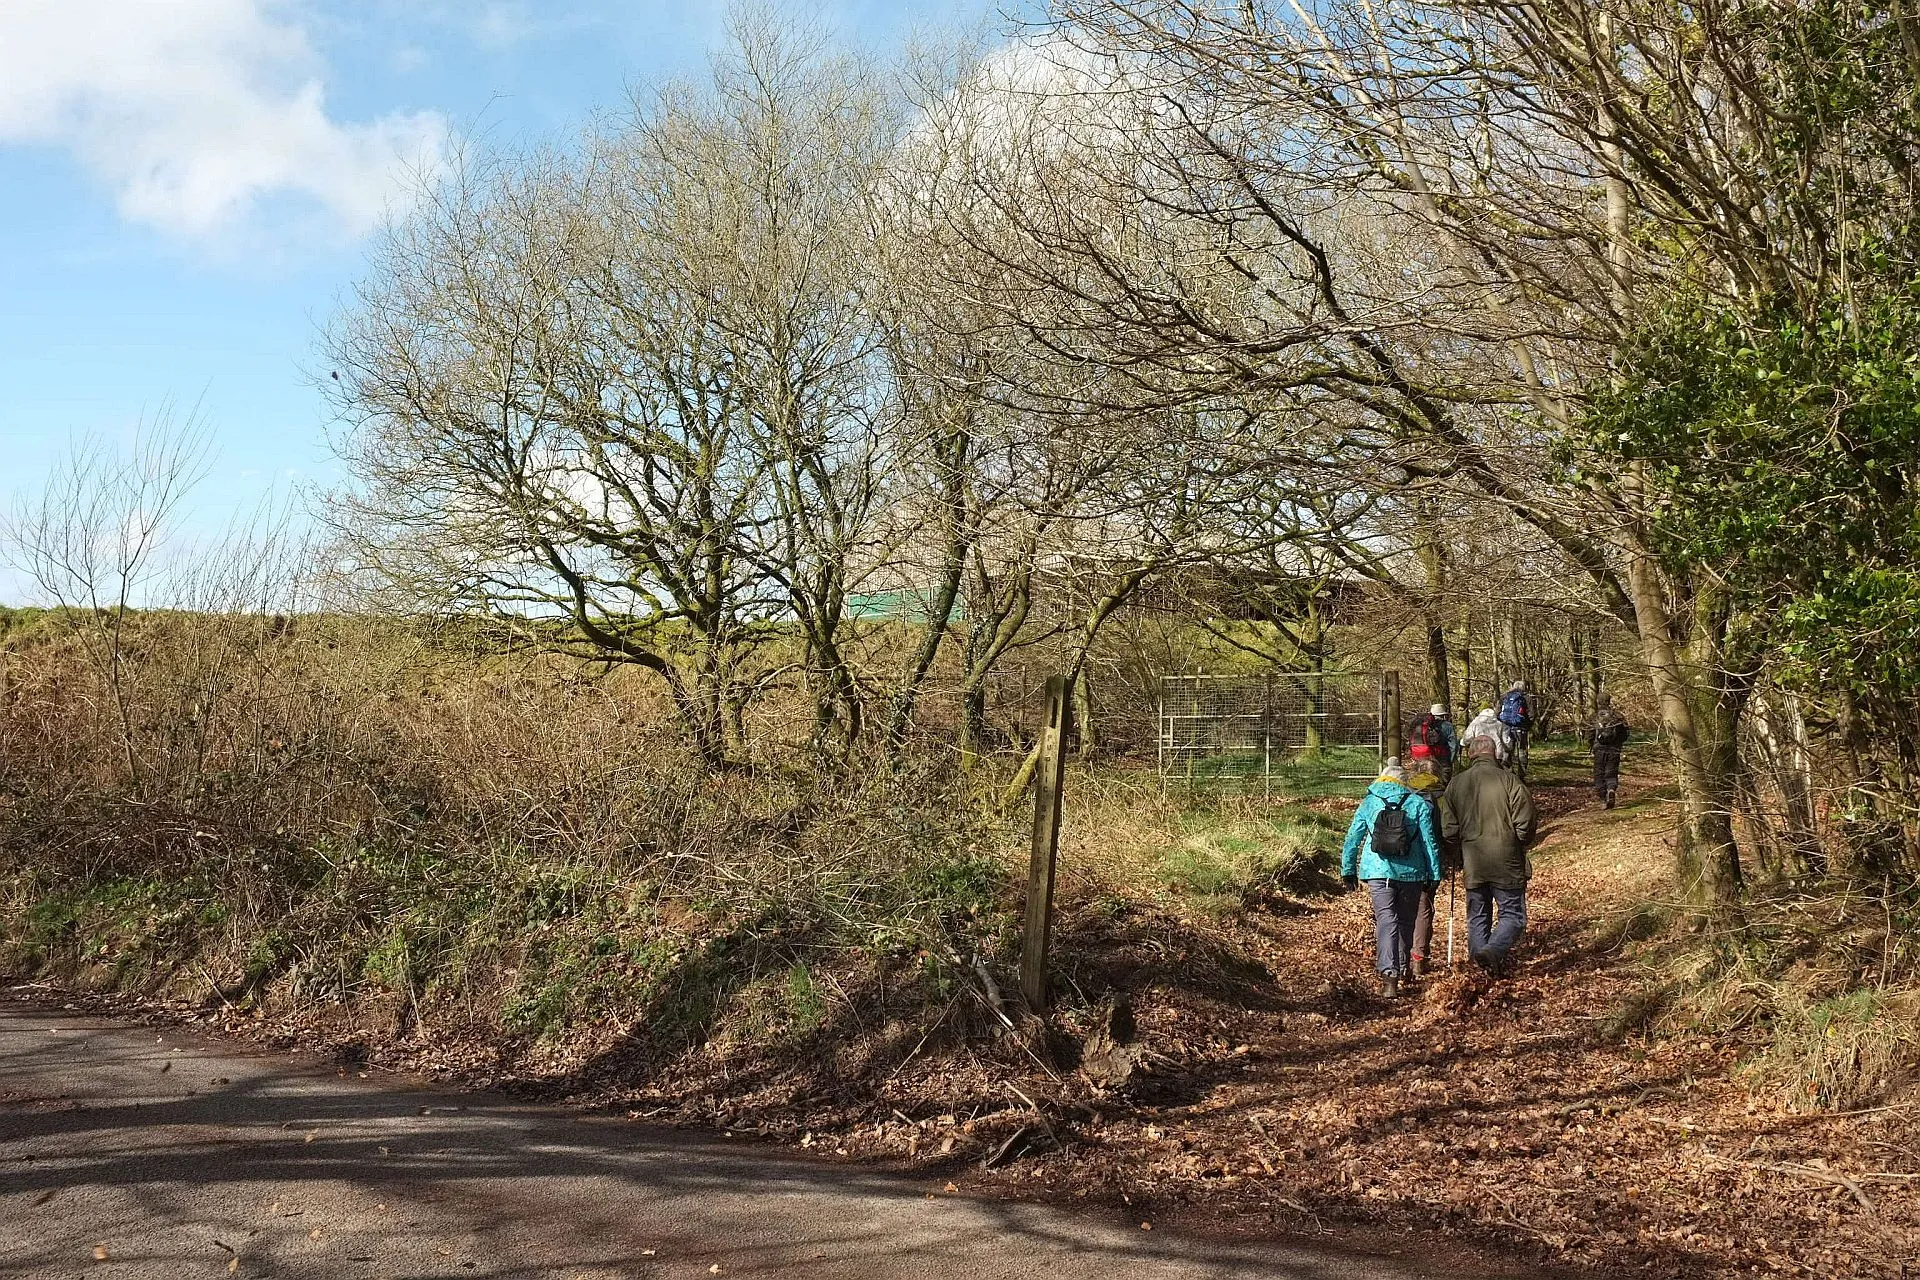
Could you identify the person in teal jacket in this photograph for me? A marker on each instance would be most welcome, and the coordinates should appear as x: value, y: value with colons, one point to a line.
x: 1396, y: 869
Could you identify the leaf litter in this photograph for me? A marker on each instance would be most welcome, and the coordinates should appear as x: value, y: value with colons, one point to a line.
x: 1264, y: 1088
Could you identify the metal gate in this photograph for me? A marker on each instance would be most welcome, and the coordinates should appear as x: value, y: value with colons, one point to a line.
x: 1234, y: 732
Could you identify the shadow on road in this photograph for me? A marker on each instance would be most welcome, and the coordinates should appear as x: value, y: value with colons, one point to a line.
x: 92, y: 1132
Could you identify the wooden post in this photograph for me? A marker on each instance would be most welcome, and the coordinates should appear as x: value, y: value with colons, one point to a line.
x: 1380, y: 716
x: 1266, y: 738
x: 1048, y: 784
x: 1394, y: 729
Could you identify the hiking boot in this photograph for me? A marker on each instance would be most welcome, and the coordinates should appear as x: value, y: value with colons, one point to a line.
x: 1420, y: 967
x: 1390, y: 985
x: 1612, y: 796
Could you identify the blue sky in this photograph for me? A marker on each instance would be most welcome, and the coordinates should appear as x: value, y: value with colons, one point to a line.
x: 189, y: 186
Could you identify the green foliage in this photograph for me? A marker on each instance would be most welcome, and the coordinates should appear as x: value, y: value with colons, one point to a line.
x: 969, y: 884
x: 1220, y: 860
x: 1333, y: 771
x: 1780, y: 454
x: 130, y: 922
x: 554, y: 945
x: 1819, y: 984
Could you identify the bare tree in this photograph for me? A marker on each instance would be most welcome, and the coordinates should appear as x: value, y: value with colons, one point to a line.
x: 627, y: 402
x: 1364, y: 217
x: 173, y: 626
x: 94, y: 542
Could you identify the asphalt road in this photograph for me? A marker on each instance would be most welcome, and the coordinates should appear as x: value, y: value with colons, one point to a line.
x: 125, y: 1152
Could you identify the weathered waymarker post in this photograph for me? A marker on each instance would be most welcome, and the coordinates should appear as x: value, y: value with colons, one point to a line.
x: 1048, y: 783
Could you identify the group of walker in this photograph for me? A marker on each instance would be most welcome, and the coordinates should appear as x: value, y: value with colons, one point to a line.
x: 1422, y: 822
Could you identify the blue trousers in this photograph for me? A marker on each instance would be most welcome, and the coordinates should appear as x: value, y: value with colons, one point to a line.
x: 1396, y: 906
x: 1496, y: 917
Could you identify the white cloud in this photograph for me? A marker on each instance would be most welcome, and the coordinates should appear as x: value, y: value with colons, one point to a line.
x: 501, y: 26
x: 198, y: 112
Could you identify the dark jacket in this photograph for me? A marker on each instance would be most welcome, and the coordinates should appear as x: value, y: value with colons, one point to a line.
x: 1487, y: 815
x: 1609, y: 729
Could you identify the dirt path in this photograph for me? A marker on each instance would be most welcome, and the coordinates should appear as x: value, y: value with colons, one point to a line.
x: 129, y: 1153
x: 1518, y: 1129
x: 1510, y: 1115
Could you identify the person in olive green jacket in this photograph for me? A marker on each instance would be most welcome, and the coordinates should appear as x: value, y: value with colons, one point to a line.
x: 1487, y: 815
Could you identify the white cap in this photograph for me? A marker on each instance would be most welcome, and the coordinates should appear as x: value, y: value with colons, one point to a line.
x: 1438, y: 709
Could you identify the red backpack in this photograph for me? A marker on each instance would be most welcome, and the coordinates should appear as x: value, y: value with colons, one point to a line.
x: 1425, y: 741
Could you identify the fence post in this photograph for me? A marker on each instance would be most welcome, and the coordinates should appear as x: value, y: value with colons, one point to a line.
x: 1049, y: 783
x: 1266, y: 737
x: 1163, y: 726
x: 1380, y: 716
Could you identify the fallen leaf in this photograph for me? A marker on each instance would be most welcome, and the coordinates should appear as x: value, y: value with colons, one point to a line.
x: 714, y: 1270
x: 233, y: 1265
x: 951, y: 1187
x: 314, y: 1234
x: 309, y: 1137
x: 1146, y: 1226
x: 99, y: 1253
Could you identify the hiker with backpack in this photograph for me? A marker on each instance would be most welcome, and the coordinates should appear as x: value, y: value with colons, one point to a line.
x: 1487, y: 726
x: 1609, y: 739
x: 1516, y: 713
x: 1393, y: 844
x: 1430, y: 742
x: 1428, y: 785
x: 1488, y: 816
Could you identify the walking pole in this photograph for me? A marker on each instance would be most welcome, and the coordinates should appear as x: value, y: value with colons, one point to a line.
x: 1450, y: 915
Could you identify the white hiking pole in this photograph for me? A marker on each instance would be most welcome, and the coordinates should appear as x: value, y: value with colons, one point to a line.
x: 1450, y: 914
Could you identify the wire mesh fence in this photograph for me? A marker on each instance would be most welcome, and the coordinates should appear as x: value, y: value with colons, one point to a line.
x: 1241, y: 732
x: 1008, y: 707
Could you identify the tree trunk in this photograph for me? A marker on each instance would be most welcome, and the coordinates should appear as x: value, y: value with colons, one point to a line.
x: 939, y: 615
x: 1433, y: 561
x: 951, y: 460
x: 1441, y: 683
x: 1466, y: 674
x: 1595, y: 684
x: 703, y: 716
x: 1707, y: 857
x: 1313, y: 647
x: 973, y: 724
x: 1782, y: 738
x: 1576, y: 645
x: 1083, y: 722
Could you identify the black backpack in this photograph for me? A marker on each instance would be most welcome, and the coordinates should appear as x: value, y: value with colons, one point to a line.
x: 1390, y: 835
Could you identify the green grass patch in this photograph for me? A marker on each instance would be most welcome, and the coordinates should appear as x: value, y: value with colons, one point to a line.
x: 1220, y: 859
